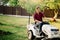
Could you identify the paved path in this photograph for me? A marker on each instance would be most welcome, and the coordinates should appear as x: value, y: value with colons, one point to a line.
x: 47, y: 19
x: 27, y: 17
x: 23, y: 16
x: 20, y: 16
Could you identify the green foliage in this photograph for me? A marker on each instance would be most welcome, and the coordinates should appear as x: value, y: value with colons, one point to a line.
x: 53, y: 4
x: 29, y: 5
x: 4, y: 2
x: 13, y: 2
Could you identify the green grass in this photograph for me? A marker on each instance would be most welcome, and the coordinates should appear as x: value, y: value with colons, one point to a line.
x: 16, y: 26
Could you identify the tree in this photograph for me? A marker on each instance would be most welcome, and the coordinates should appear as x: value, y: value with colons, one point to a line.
x: 13, y: 2
x: 29, y: 5
x: 54, y: 5
x: 4, y: 2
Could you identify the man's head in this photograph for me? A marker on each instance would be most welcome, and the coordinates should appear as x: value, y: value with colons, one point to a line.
x: 38, y: 9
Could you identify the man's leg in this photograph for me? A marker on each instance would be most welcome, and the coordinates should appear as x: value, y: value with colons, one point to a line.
x: 41, y: 26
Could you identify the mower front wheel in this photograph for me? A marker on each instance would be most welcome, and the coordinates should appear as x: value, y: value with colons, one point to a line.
x: 30, y: 35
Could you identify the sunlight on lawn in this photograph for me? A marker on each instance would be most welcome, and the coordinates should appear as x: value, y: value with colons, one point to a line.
x: 56, y: 24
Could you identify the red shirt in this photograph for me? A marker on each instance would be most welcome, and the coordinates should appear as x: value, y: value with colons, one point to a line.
x: 38, y: 16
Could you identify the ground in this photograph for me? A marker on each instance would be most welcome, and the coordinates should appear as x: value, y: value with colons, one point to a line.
x: 14, y: 28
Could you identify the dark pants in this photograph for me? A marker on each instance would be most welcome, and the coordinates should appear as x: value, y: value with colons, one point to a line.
x: 41, y: 27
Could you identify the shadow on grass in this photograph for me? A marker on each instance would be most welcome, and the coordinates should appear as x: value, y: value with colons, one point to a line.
x: 6, y: 24
x: 2, y: 33
x: 2, y: 24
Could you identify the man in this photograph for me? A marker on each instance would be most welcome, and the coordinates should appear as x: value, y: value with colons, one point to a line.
x: 38, y: 15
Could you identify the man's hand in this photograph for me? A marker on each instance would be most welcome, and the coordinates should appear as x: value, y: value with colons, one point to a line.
x: 38, y: 21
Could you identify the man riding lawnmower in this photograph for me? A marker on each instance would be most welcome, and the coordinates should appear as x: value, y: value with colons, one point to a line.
x: 42, y: 30
x: 38, y: 15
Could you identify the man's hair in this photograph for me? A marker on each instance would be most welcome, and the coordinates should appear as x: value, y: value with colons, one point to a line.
x: 37, y: 7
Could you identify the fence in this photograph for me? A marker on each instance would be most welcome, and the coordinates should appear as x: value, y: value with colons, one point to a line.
x: 13, y: 10
x: 21, y: 11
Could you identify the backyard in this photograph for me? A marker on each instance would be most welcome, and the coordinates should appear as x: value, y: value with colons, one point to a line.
x: 14, y: 28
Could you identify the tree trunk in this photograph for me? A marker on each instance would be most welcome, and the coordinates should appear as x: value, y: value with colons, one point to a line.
x: 56, y: 14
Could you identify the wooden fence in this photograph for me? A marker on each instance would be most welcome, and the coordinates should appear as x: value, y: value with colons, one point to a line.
x: 21, y: 11
x: 13, y: 10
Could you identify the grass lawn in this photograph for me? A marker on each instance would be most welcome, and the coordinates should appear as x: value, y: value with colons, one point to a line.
x: 14, y: 28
